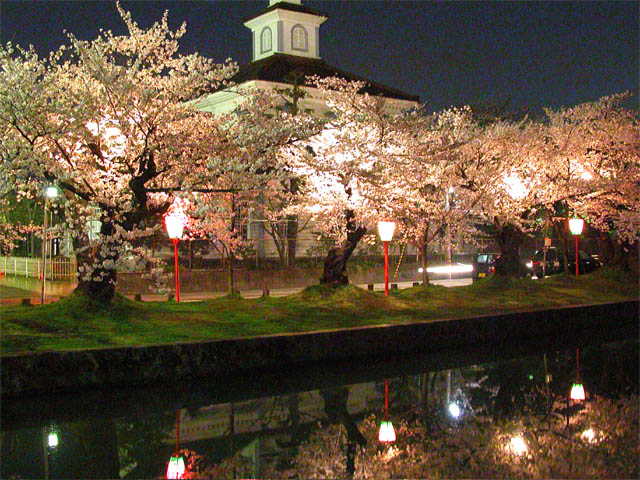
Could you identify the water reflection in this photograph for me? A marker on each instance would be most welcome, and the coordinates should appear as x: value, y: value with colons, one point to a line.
x: 453, y: 418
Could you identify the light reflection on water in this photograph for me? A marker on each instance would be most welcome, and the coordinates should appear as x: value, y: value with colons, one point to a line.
x: 262, y: 420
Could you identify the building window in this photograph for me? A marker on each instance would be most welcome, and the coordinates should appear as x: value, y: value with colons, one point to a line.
x: 241, y: 221
x: 265, y: 40
x: 299, y: 38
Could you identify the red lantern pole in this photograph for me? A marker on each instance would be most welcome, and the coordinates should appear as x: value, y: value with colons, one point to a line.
x: 576, y: 254
x: 175, y: 468
x: 386, y: 399
x: 386, y: 269
x: 177, y: 269
x: 386, y: 434
x: 177, y: 431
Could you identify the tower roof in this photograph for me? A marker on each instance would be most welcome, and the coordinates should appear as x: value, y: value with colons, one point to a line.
x: 282, y: 68
x: 292, y: 7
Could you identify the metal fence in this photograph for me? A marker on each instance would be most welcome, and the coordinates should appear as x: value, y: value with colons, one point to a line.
x: 57, y: 268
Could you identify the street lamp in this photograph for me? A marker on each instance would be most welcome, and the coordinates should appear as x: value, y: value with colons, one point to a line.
x: 386, y: 434
x: 448, y: 208
x: 174, y: 222
x: 50, y: 192
x: 385, y: 230
x: 576, y: 225
x: 52, y: 439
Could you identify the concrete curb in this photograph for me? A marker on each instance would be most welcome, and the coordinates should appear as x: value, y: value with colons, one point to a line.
x: 59, y: 371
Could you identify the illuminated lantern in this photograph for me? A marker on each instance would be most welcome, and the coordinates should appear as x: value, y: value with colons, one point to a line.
x: 385, y: 230
x: 175, y: 469
x: 577, y: 392
x: 576, y: 225
x: 175, y: 225
x: 386, y: 434
x: 175, y: 222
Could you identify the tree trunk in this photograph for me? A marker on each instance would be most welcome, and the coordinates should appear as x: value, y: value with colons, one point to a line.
x: 292, y: 233
x: 230, y: 272
x: 278, y: 236
x: 606, y: 248
x: 425, y: 263
x: 621, y: 257
x: 335, y: 407
x: 335, y: 265
x: 229, y: 251
x: 101, y: 286
x: 509, y: 240
x: 562, y: 231
x: 424, y: 395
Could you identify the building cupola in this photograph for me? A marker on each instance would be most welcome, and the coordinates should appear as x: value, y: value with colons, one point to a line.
x: 286, y: 26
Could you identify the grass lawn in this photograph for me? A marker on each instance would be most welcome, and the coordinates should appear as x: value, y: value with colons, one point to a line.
x: 75, y: 323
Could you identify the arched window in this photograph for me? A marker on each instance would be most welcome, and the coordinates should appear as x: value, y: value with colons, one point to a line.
x: 299, y: 38
x: 265, y: 40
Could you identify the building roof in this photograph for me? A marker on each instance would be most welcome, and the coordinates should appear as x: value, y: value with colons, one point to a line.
x: 284, y: 68
x: 293, y: 7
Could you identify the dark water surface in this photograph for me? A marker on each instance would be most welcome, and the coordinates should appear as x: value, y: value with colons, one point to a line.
x: 268, y: 422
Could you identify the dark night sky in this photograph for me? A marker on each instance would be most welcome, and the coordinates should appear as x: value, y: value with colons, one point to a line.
x: 450, y: 53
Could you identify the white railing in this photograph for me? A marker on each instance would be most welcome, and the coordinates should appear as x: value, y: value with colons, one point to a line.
x: 57, y: 268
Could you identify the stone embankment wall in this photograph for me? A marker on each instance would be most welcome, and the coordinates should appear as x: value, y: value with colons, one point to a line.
x: 216, y: 280
x: 38, y: 373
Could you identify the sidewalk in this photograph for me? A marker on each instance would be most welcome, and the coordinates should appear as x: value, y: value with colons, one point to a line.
x: 281, y: 292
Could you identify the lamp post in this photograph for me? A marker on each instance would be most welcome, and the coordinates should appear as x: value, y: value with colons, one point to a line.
x: 50, y: 192
x: 385, y: 230
x: 448, y: 208
x: 175, y: 226
x: 386, y: 434
x: 576, y: 225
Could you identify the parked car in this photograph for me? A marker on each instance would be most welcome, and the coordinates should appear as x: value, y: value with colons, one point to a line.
x: 483, y: 265
x: 555, y: 262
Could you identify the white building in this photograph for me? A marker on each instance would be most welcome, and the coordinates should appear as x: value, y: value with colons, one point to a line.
x: 286, y: 49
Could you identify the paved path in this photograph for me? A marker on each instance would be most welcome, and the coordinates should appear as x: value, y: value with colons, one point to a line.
x: 10, y: 294
x: 280, y: 292
x: 15, y: 295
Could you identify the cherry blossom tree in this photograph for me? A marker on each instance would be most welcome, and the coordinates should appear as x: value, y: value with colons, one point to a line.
x: 282, y: 223
x: 589, y: 163
x: 420, y: 183
x: 504, y: 184
x: 601, y: 440
x: 245, y: 172
x: 106, y: 121
x: 15, y: 226
x: 339, y: 168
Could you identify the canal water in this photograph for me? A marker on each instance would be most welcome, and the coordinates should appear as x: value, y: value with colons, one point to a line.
x: 492, y: 413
